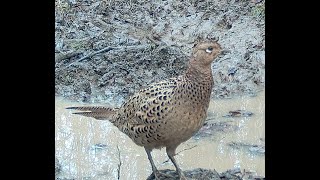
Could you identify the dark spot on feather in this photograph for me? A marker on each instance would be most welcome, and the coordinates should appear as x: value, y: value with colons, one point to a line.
x: 138, y: 130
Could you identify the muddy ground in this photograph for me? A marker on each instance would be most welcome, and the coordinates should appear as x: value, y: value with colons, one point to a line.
x: 108, y: 49
x: 160, y: 36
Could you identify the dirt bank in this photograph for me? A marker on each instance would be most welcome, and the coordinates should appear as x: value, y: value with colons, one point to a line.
x: 160, y: 36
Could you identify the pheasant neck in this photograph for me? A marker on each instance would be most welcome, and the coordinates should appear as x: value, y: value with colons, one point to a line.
x: 200, y: 74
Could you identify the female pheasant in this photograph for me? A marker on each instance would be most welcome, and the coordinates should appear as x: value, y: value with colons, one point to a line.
x: 166, y: 113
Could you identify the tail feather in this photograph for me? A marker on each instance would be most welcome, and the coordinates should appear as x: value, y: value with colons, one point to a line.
x: 97, y: 112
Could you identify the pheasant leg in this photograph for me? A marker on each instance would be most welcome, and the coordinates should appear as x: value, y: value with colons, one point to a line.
x: 171, y: 152
x: 155, y: 171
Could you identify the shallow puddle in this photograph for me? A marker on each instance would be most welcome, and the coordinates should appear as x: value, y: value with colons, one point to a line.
x: 91, y: 149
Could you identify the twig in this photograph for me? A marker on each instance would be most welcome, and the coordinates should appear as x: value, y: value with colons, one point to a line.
x: 61, y: 56
x: 210, y: 119
x: 76, y: 40
x: 149, y: 37
x: 243, y: 174
x: 93, y: 53
x: 106, y: 49
x: 180, y: 152
x: 104, y: 24
x: 119, y: 165
x: 214, y: 170
x: 187, y: 149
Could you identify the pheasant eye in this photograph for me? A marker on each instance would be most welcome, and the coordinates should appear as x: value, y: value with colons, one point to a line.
x: 209, y: 50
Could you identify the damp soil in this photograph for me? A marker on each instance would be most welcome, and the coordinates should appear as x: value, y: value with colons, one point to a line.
x: 146, y: 42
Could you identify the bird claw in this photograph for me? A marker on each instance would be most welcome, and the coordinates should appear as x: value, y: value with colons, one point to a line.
x: 159, y: 174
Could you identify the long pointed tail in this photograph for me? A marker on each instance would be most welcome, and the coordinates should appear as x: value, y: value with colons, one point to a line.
x: 97, y: 112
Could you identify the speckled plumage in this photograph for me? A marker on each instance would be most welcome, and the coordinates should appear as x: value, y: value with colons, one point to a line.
x: 169, y: 112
